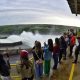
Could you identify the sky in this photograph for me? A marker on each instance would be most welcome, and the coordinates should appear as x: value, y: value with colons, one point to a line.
x: 37, y: 12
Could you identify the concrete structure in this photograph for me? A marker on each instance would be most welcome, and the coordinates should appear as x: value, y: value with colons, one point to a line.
x: 74, y: 6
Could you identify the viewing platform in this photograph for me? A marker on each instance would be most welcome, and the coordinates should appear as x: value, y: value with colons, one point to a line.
x: 66, y: 71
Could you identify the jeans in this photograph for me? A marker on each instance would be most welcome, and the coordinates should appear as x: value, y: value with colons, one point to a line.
x: 62, y: 52
x: 38, y: 70
x: 55, y: 57
x: 71, y: 48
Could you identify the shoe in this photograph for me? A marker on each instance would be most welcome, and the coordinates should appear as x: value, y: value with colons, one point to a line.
x: 60, y: 62
x: 74, y: 62
x: 64, y: 58
x: 46, y: 74
x: 41, y: 76
x: 54, y: 68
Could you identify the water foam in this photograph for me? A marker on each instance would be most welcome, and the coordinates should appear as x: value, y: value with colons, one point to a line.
x: 28, y: 38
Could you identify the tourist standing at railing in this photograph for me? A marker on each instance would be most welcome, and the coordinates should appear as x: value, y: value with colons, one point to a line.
x: 48, y: 49
x: 77, y: 50
x: 38, y: 60
x: 66, y: 38
x: 72, y: 43
x: 4, y: 69
x: 7, y: 57
x: 63, y: 47
x: 56, y: 52
x: 25, y: 66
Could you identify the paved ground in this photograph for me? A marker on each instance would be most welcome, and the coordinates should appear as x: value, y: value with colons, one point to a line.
x: 76, y: 75
x: 62, y: 73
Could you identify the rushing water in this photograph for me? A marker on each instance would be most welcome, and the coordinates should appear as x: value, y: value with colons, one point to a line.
x: 28, y: 39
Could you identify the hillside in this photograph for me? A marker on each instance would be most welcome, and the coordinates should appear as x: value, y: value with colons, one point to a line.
x: 41, y: 28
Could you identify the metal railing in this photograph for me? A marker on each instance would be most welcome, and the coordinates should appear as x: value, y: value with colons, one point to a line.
x: 14, y: 74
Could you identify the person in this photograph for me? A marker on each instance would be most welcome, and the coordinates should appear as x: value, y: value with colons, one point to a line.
x: 72, y: 31
x: 77, y: 51
x: 4, y: 69
x: 63, y: 47
x: 33, y: 48
x: 25, y: 66
x: 7, y: 57
x: 72, y: 43
x: 48, y: 49
x: 38, y: 60
x: 56, y: 52
x: 66, y: 38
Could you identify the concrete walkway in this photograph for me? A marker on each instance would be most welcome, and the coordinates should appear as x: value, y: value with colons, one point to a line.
x: 62, y: 73
x: 76, y: 75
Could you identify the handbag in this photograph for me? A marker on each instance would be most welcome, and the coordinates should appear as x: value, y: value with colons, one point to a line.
x: 39, y: 61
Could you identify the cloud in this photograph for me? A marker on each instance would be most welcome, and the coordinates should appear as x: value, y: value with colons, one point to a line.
x: 36, y: 11
x: 41, y: 4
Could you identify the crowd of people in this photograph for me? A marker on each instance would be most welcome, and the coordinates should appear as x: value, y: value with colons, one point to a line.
x: 42, y: 57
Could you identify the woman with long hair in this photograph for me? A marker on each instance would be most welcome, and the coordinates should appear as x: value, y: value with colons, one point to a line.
x: 56, y: 51
x: 48, y: 49
x: 38, y: 60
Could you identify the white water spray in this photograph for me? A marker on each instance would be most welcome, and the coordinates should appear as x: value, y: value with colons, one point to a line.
x: 28, y: 38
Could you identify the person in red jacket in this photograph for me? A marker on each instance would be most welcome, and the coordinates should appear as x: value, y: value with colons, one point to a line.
x: 72, y: 43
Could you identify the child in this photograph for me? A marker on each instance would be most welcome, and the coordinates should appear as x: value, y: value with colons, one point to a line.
x: 48, y: 49
x: 25, y: 66
x: 38, y: 60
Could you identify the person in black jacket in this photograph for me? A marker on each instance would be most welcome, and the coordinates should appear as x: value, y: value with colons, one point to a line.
x: 4, y: 69
x: 63, y: 47
x: 38, y: 60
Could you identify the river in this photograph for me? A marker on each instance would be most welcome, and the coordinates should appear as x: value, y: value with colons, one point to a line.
x: 28, y: 39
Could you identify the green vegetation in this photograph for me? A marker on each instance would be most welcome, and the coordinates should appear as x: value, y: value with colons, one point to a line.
x: 41, y: 28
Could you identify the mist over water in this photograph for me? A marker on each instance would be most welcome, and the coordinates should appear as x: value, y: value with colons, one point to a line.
x: 28, y: 38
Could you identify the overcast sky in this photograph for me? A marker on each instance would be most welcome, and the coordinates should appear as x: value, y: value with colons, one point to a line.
x: 37, y: 12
